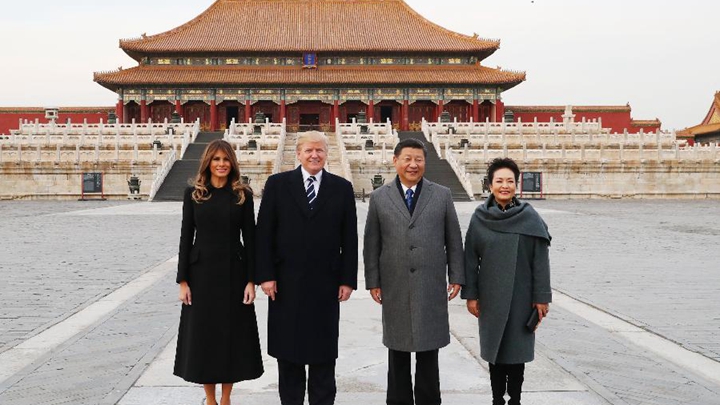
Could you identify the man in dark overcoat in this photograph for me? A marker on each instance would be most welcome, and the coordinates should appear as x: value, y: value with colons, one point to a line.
x: 306, y: 264
x: 413, y: 260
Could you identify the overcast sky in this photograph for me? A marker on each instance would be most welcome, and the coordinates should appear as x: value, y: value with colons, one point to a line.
x: 662, y: 56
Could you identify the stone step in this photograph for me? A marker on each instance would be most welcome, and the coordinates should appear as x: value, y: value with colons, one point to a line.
x: 437, y: 170
x: 183, y: 171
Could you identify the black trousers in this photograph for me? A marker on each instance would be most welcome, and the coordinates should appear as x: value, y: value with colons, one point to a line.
x: 427, y: 378
x: 508, y: 377
x: 321, y: 386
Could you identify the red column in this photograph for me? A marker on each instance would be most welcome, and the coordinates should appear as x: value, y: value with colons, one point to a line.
x: 178, y: 107
x: 404, y: 113
x: 439, y: 109
x: 282, y: 110
x: 336, y: 113
x: 476, y: 110
x: 143, y: 111
x: 248, y: 111
x: 370, y: 110
x: 119, y: 111
x: 213, y: 115
x: 499, y: 111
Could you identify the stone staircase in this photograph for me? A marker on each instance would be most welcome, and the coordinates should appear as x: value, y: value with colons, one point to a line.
x: 333, y: 164
x: 183, y: 171
x: 333, y: 160
x: 438, y: 170
x: 289, y: 160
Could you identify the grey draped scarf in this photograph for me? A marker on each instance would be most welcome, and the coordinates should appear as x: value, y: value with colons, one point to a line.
x: 521, y: 219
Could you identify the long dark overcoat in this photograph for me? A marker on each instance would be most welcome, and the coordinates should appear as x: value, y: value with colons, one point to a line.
x: 507, y: 269
x: 412, y: 258
x: 218, y: 338
x: 310, y: 253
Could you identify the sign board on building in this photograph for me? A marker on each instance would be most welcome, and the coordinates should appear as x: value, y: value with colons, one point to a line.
x: 309, y: 60
x: 531, y: 182
x: 92, y: 183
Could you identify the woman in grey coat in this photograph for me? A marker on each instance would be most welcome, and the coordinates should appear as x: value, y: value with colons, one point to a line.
x: 507, y: 274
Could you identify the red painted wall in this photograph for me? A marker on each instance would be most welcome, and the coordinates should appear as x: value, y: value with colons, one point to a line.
x: 10, y: 117
x: 617, y: 121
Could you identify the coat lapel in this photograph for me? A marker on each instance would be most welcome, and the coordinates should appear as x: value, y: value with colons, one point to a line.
x: 295, y: 185
x: 426, y: 195
x: 325, y: 192
x: 397, y: 200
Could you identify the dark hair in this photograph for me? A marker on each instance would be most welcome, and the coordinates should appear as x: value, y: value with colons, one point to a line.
x: 502, y: 163
x: 202, y: 178
x: 410, y: 143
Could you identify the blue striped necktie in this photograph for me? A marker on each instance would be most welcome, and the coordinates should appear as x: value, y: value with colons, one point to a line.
x: 408, y: 198
x: 310, y: 191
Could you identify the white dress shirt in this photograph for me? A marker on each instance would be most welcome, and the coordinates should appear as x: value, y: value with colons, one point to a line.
x: 318, y: 180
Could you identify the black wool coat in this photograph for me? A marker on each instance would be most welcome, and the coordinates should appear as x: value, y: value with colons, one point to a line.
x: 310, y: 253
x: 218, y: 338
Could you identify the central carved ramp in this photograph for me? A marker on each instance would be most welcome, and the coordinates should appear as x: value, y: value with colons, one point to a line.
x: 184, y: 170
x: 438, y: 170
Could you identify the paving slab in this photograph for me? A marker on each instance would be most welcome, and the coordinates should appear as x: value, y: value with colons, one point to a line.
x: 649, y: 264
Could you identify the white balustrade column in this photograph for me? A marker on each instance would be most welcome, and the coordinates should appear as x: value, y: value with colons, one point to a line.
x: 57, y: 153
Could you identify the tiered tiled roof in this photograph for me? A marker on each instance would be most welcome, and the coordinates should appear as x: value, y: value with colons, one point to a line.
x: 709, y: 125
x: 240, y: 26
x: 287, y: 76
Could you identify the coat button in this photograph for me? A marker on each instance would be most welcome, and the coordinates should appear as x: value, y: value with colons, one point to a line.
x: 412, y: 270
x: 412, y: 247
x: 412, y: 226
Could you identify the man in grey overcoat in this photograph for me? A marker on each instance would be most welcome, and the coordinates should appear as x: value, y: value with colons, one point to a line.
x: 413, y: 266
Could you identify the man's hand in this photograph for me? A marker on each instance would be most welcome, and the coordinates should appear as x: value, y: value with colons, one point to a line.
x: 453, y: 290
x: 344, y: 293
x: 269, y: 288
x: 376, y: 295
x: 185, y: 296
x: 473, y: 307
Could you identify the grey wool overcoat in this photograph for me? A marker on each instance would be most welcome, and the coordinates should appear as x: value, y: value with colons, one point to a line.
x: 411, y: 259
x: 507, y: 269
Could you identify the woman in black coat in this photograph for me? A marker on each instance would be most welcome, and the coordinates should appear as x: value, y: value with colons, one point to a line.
x: 218, y: 340
x: 507, y: 274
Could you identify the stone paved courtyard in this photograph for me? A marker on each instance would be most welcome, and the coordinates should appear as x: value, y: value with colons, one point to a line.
x: 88, y: 310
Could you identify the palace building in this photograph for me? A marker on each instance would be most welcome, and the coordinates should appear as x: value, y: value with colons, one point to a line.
x: 309, y: 62
x: 709, y: 129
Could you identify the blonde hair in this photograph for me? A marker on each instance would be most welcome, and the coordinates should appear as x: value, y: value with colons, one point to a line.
x: 311, y: 136
x: 202, y: 178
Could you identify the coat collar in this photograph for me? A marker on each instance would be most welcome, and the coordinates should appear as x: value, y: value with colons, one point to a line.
x: 428, y: 189
x: 298, y: 191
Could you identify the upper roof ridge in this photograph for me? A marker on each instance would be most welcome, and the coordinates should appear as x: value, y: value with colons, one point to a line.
x: 231, y: 26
